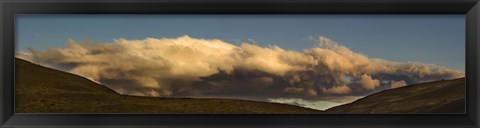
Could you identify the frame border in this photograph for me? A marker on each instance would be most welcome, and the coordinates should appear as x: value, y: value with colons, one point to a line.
x: 10, y: 8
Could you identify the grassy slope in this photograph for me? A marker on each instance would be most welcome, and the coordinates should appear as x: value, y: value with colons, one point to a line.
x: 446, y: 96
x: 44, y: 90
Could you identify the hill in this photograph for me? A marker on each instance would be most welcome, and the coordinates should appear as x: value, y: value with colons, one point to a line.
x: 44, y: 90
x: 445, y: 96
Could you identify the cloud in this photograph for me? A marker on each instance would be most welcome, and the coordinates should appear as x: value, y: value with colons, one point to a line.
x: 397, y: 84
x: 336, y: 90
x: 23, y: 55
x: 368, y: 83
x: 192, y: 67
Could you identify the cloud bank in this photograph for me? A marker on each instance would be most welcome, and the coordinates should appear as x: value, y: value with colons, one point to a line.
x: 192, y: 67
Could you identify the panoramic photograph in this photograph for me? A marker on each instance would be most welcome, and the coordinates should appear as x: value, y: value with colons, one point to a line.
x: 240, y: 64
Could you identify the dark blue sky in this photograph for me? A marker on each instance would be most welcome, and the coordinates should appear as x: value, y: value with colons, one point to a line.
x: 434, y: 39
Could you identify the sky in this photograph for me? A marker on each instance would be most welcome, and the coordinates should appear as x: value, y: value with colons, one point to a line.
x: 315, y: 61
x: 436, y: 39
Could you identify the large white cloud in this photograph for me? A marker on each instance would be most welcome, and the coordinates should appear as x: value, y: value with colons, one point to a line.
x: 192, y: 67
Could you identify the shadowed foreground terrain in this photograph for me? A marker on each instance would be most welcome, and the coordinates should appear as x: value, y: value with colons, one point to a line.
x: 445, y: 96
x: 43, y: 90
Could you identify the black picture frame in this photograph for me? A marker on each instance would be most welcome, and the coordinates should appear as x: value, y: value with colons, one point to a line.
x: 10, y: 8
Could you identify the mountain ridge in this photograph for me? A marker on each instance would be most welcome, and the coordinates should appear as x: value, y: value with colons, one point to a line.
x: 444, y: 96
x: 40, y: 89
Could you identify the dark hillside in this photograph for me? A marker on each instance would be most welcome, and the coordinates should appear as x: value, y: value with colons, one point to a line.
x: 43, y: 90
x: 445, y: 96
